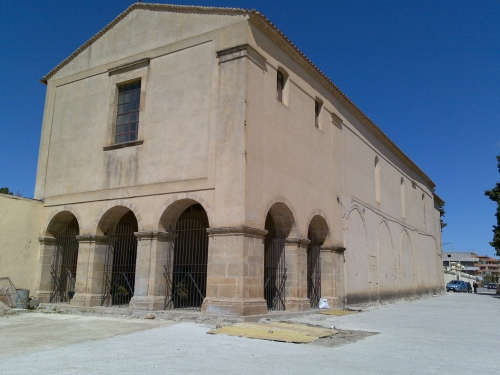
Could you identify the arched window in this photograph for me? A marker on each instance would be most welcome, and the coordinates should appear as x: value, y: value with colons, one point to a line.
x: 282, y: 86
x: 318, y: 104
x: 403, y: 198
x: 423, y: 210
x: 377, y: 180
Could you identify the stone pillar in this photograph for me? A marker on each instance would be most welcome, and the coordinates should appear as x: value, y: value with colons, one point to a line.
x: 328, y: 275
x: 149, y: 289
x: 235, y: 272
x: 44, y: 269
x: 89, y: 270
x: 339, y: 275
x: 296, y: 279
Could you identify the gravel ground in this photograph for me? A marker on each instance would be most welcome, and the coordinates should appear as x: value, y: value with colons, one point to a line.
x: 448, y: 334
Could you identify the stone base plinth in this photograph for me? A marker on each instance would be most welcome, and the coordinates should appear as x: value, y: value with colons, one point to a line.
x: 297, y: 304
x: 43, y: 297
x: 86, y: 300
x: 151, y: 303
x: 242, y: 307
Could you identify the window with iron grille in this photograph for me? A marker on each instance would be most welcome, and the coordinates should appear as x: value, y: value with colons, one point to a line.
x: 127, y: 116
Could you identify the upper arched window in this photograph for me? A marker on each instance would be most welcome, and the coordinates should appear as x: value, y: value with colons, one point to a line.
x: 423, y: 210
x: 282, y: 86
x: 403, y: 198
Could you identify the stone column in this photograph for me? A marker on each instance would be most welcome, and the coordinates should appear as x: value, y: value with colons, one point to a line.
x: 149, y: 289
x: 89, y: 270
x: 328, y: 275
x: 296, y: 279
x: 44, y: 269
x: 339, y: 275
x: 235, y: 272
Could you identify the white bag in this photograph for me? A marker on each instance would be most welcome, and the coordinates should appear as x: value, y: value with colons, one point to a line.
x: 323, y: 303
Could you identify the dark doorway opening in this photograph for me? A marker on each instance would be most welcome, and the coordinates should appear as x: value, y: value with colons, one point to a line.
x: 313, y: 273
x: 64, y: 264
x: 186, y: 268
x: 120, y: 263
x: 274, y: 266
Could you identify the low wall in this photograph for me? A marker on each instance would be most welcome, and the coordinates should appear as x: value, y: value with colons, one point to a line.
x: 452, y: 275
x: 20, y: 221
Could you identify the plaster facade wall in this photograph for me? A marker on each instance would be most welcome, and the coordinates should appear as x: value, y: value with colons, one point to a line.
x: 391, y: 235
x: 20, y: 220
x: 213, y: 132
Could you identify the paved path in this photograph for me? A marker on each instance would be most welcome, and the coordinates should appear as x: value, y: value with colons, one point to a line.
x: 449, y: 334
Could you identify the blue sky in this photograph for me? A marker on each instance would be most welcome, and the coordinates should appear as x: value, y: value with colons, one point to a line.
x: 426, y: 72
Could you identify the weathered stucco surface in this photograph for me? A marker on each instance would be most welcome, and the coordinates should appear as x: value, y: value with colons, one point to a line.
x: 213, y: 132
x: 20, y: 221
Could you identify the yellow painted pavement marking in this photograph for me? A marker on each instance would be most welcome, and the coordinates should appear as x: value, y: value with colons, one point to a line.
x: 276, y: 331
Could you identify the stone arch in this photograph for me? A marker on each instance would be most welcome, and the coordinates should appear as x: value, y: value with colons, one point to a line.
x: 170, y: 211
x: 356, y: 258
x: 59, y: 220
x: 407, y: 265
x: 318, y: 228
x: 388, y: 262
x: 110, y: 215
x: 284, y: 216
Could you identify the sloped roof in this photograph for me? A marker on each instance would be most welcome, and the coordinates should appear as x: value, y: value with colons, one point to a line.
x: 271, y: 31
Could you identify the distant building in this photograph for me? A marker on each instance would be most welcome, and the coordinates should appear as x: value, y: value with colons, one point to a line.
x: 488, y: 266
x: 467, y: 260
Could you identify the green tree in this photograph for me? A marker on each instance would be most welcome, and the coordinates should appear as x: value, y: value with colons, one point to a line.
x: 6, y: 190
x: 494, y: 195
x: 441, y: 214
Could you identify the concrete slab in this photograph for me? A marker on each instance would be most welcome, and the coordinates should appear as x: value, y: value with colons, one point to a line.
x: 335, y: 312
x: 442, y: 336
x: 29, y: 332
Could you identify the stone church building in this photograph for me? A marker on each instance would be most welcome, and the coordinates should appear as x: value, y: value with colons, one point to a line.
x: 195, y: 158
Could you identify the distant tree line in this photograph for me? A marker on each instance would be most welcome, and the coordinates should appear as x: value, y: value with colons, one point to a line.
x: 6, y: 190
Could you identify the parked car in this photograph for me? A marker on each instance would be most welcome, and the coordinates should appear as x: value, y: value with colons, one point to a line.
x: 492, y: 286
x: 456, y: 286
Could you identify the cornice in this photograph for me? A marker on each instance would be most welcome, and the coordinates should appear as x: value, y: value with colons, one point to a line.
x: 280, y: 39
x: 143, y: 6
x: 271, y: 31
x: 91, y: 238
x: 47, y: 240
x: 298, y: 241
x: 241, y: 230
x: 151, y: 235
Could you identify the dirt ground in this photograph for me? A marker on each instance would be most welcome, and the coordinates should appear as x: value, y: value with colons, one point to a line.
x: 410, y: 337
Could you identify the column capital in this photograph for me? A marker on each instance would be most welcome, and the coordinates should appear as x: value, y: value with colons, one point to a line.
x: 150, y: 235
x: 333, y: 248
x: 91, y: 238
x: 298, y: 241
x: 239, y: 230
x: 47, y: 240
x: 339, y: 249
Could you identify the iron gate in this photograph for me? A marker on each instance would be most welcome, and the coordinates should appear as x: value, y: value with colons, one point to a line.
x: 119, y: 266
x: 313, y: 274
x: 64, y: 264
x: 274, y: 267
x: 186, y: 268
